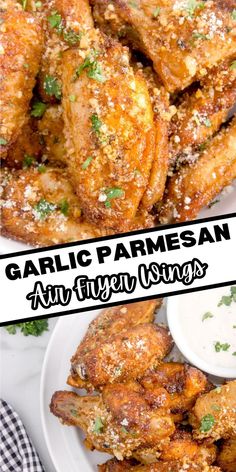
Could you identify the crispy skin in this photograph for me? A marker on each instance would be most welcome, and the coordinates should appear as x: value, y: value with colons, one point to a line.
x: 101, y: 419
x: 174, y: 466
x: 195, y: 186
x: 120, y: 143
x: 23, y: 190
x: 21, y: 40
x: 201, y: 113
x: 76, y: 18
x: 182, y: 382
x: 183, y: 445
x: 109, y: 322
x: 27, y: 144
x: 227, y: 456
x: 180, y: 42
x: 50, y: 129
x: 223, y: 400
x: 124, y: 356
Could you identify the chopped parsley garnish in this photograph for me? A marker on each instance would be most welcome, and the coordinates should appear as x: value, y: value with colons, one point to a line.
x: 74, y: 412
x: 3, y: 142
x: 234, y: 353
x: 98, y: 426
x: 215, y: 407
x: 111, y: 193
x: 233, y: 293
x: 233, y: 14
x: 30, y: 328
x: 44, y: 208
x: 24, y: 4
x: 234, y: 326
x: 71, y: 37
x: 38, y: 4
x: 124, y: 430
x: 72, y: 98
x: 64, y: 206
x: 207, y: 422
x: 55, y: 21
x: 96, y: 123
x: 233, y: 65
x: 26, y: 66
x: 207, y: 315
x: 28, y: 161
x: 221, y: 347
x: 228, y: 299
x: 38, y: 109
x: 133, y: 4
x: 197, y: 35
x: 42, y: 168
x: 156, y: 12
x: 192, y: 5
x: 217, y: 389
x: 52, y: 86
x: 93, y: 68
x: 207, y: 122
x: 87, y: 162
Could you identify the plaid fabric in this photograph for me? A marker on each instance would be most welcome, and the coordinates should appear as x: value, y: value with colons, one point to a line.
x: 17, y: 453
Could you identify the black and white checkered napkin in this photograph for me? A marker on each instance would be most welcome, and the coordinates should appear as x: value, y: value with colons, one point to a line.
x: 17, y: 453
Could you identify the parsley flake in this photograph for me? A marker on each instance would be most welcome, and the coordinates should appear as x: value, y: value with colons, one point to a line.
x: 87, y: 162
x: 30, y: 328
x: 74, y: 412
x: 192, y: 5
x: 197, y: 35
x: 96, y: 123
x: 93, y: 68
x: 64, y: 206
x: 233, y: 65
x: 215, y: 407
x: 225, y: 300
x: 24, y: 4
x: 43, y: 209
x: 3, y: 142
x: 156, y: 12
x: 55, y: 21
x: 71, y: 37
x: 72, y: 98
x: 233, y: 14
x: 28, y: 161
x: 207, y: 122
x: 221, y: 347
x: 38, y: 4
x: 234, y: 353
x: 38, y: 109
x: 111, y: 193
x: 207, y: 315
x: 52, y: 87
x: 98, y: 426
x: 207, y: 422
x: 42, y: 168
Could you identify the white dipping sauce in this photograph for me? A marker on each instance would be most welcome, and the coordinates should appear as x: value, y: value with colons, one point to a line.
x: 207, y: 329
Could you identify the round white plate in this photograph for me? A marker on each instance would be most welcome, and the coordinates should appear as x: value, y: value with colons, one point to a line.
x: 225, y: 203
x: 65, y: 443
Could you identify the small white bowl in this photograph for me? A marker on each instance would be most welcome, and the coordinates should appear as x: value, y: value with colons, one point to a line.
x: 184, y: 344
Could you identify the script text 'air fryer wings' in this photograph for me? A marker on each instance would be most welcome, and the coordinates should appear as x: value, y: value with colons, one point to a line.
x: 172, y: 466
x: 110, y: 130
x: 20, y: 53
x: 182, y: 38
x: 214, y: 414
x: 39, y: 206
x: 226, y: 459
x: 123, y: 356
x: 197, y: 184
x: 119, y: 421
x: 111, y: 321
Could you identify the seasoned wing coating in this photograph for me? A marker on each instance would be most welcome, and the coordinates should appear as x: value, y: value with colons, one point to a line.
x: 119, y: 422
x: 182, y: 382
x: 124, y: 356
x: 27, y: 148
x: 173, y: 466
x: 214, y: 414
x: 21, y: 41
x: 65, y: 22
x: 195, y: 186
x: 227, y: 456
x: 201, y: 113
x: 39, y: 207
x: 179, y: 37
x: 110, y: 130
x: 50, y: 129
x: 183, y: 445
x: 110, y: 321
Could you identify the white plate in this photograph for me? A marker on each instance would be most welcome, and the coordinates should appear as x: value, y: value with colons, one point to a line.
x: 65, y: 442
x: 226, y: 204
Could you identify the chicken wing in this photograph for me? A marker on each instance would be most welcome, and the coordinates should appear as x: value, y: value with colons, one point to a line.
x: 50, y: 129
x: 27, y: 148
x: 173, y: 466
x: 179, y: 37
x: 183, y: 445
x: 226, y: 459
x: 39, y: 207
x: 21, y: 40
x: 109, y: 322
x: 182, y: 382
x: 214, y: 414
x: 195, y: 186
x: 201, y: 113
x: 118, y: 422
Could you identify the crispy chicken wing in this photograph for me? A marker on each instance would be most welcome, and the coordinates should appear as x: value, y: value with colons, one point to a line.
x: 201, y: 113
x: 183, y: 445
x: 214, y: 414
x: 27, y: 148
x: 50, y: 129
x: 195, y: 186
x: 110, y: 130
x: 123, y: 356
x: 21, y: 40
x: 39, y: 207
x: 182, y: 382
x: 180, y: 37
x: 174, y: 466
x: 110, y: 321
x: 118, y: 422
x: 226, y: 459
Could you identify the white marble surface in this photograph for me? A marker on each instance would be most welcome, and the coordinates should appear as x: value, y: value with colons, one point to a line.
x: 21, y: 359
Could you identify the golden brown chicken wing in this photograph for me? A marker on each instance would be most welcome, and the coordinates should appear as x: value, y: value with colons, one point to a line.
x: 195, y: 186
x: 21, y: 41
x: 123, y: 356
x: 51, y: 133
x: 179, y: 37
x: 182, y: 445
x: 39, y: 207
x: 226, y: 459
x: 118, y: 422
x: 201, y: 112
x: 159, y: 466
x: 27, y: 149
x: 214, y: 414
x: 110, y: 130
